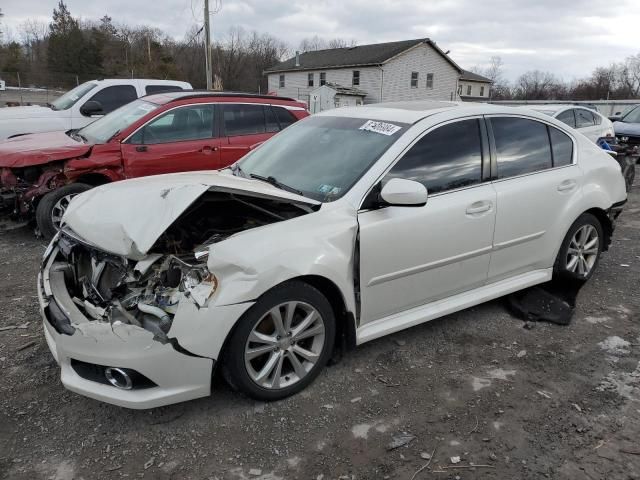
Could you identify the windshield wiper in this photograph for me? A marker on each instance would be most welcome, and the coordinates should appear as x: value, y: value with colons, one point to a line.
x: 272, y: 180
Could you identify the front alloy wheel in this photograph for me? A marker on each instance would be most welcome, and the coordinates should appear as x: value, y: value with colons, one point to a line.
x: 281, y: 343
x: 284, y: 345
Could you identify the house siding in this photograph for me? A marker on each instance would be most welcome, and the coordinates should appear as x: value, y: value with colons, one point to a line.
x: 422, y: 59
x: 475, y: 88
x: 295, y: 84
x: 389, y: 83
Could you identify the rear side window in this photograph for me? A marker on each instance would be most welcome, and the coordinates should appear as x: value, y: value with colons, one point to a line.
x: 243, y: 119
x: 568, y: 118
x: 115, y: 96
x: 149, y: 89
x: 562, y: 147
x: 597, y: 118
x: 522, y: 146
x: 272, y: 121
x: 285, y: 117
x: 584, y: 118
x: 447, y: 158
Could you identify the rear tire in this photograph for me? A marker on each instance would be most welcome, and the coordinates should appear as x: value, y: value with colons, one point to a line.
x: 580, y: 251
x: 53, y: 205
x: 282, y: 343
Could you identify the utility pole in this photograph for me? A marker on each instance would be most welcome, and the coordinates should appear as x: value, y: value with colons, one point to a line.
x: 207, y: 46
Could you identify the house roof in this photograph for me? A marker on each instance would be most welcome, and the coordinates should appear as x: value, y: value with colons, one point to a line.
x: 346, y: 90
x: 474, y: 77
x: 359, y: 56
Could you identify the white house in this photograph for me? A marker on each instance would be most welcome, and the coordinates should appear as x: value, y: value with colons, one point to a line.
x: 406, y: 70
x: 330, y: 96
x: 474, y: 87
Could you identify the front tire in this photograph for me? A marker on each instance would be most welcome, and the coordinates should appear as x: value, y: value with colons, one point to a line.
x: 281, y: 344
x: 53, y: 205
x: 581, y: 248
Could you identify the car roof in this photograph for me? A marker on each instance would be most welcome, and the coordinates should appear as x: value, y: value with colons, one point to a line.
x: 413, y: 111
x: 167, y: 97
x: 556, y: 107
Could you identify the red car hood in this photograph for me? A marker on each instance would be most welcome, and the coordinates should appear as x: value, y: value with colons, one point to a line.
x: 39, y: 148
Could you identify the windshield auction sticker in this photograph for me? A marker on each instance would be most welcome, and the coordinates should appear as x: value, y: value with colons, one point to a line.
x: 380, y: 127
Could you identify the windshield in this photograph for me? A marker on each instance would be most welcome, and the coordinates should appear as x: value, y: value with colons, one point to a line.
x: 633, y: 116
x: 322, y: 157
x: 103, y: 129
x: 72, y: 96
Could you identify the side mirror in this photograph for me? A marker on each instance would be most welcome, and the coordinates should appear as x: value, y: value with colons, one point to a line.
x: 402, y: 192
x: 91, y: 108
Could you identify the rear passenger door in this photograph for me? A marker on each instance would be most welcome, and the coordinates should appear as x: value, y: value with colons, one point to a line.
x: 178, y: 140
x: 536, y: 181
x: 245, y: 126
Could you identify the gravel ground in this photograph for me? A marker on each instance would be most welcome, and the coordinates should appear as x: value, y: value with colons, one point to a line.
x: 542, y: 402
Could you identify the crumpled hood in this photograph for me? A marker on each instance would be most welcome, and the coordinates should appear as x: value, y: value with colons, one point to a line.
x: 39, y: 148
x: 623, y: 128
x: 126, y: 218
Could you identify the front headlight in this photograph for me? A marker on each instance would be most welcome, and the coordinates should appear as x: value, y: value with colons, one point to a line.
x: 200, y: 284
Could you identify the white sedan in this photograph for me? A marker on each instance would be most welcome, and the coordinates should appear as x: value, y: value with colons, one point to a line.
x: 588, y: 122
x: 349, y: 225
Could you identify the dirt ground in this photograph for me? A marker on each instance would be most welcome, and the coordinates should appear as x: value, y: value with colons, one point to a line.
x: 544, y: 401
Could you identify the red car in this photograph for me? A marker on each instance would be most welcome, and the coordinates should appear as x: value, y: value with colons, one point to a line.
x: 162, y: 133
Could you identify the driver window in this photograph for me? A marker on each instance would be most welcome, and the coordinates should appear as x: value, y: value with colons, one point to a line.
x: 194, y: 122
x: 446, y: 158
x: 114, y: 97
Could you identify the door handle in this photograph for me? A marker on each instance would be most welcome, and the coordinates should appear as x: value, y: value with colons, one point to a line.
x: 567, y: 185
x: 208, y: 149
x: 141, y: 148
x: 478, y: 207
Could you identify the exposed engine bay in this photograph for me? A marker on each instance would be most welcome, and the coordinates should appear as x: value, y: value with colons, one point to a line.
x: 218, y: 215
x: 146, y: 293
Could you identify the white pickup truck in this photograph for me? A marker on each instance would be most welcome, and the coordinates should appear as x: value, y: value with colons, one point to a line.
x: 80, y: 106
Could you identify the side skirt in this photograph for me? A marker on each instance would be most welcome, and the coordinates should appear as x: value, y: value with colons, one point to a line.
x: 415, y: 316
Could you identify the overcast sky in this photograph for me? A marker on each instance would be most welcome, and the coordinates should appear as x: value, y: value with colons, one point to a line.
x: 566, y: 38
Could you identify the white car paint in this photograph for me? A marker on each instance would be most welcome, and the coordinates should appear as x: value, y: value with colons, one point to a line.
x: 35, y: 119
x: 415, y: 263
x: 602, y: 129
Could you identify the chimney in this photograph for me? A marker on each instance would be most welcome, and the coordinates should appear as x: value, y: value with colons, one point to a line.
x: 297, y: 58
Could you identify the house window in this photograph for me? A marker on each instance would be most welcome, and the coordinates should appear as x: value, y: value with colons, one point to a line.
x: 281, y: 83
x: 429, y: 81
x: 482, y: 91
x: 414, y: 79
x: 356, y: 77
x: 310, y: 79
x: 323, y: 78
x: 468, y: 89
x: 459, y: 89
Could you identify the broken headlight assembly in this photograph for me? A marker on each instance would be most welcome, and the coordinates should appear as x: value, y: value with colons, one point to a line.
x: 199, y: 284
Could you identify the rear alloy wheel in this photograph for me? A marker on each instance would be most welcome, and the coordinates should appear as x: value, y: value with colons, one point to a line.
x: 581, y: 248
x: 53, y: 206
x: 282, y: 343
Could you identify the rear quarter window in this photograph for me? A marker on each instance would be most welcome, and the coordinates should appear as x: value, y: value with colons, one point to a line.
x: 149, y: 89
x: 561, y: 146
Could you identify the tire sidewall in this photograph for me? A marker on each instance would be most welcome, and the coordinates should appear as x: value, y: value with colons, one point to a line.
x: 560, y: 267
x: 233, y: 358
x: 48, y: 201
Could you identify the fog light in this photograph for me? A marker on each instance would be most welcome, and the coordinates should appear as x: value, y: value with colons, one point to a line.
x: 118, y: 378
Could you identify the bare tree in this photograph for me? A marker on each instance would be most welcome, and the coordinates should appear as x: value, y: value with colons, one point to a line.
x: 33, y: 32
x: 535, y: 85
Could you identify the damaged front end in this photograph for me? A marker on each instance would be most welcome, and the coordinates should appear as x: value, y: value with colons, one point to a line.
x: 152, y: 316
x: 115, y: 290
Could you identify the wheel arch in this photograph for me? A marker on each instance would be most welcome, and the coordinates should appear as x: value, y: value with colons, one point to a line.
x: 94, y: 179
x: 605, y: 222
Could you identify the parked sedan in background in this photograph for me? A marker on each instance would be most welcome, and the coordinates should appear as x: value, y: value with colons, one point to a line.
x: 162, y: 133
x: 350, y: 225
x: 590, y: 123
x: 627, y: 127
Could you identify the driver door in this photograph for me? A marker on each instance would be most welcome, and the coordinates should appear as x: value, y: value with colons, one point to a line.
x: 182, y: 139
x: 414, y: 255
